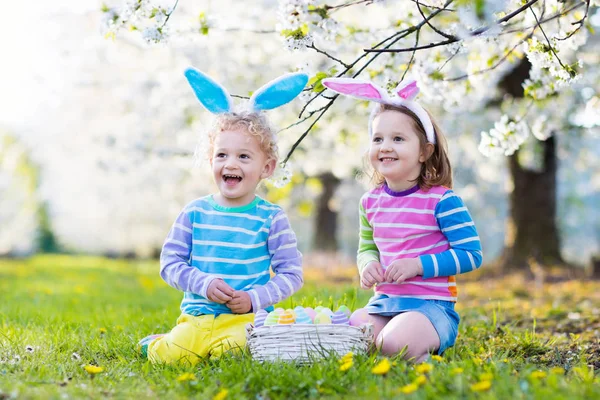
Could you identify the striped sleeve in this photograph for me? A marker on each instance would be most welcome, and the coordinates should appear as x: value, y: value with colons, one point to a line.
x: 367, y: 250
x: 175, y: 268
x: 457, y: 225
x: 286, y: 262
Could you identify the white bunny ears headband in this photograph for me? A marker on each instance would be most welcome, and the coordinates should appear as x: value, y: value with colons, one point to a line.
x: 216, y: 99
x: 403, y: 96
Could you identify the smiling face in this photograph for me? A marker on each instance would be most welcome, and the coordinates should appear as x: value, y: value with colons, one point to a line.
x: 238, y: 165
x: 396, y: 149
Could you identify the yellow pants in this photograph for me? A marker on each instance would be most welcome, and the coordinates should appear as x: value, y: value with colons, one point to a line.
x: 195, y: 338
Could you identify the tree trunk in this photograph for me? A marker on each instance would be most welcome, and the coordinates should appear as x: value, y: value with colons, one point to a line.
x: 532, y: 232
x: 324, y: 238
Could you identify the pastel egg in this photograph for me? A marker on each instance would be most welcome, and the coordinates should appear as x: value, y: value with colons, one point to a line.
x: 345, y: 310
x: 359, y: 317
x: 310, y: 312
x: 293, y: 312
x: 259, y: 318
x: 327, y: 311
x: 286, y: 318
x: 339, y: 318
x: 303, y: 318
x: 279, y: 310
x: 298, y: 309
x: 322, y: 319
x: 272, y: 318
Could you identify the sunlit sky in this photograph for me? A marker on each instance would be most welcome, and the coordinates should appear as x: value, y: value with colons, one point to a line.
x: 31, y: 76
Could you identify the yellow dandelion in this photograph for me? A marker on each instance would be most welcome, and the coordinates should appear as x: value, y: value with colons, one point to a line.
x: 347, y: 357
x: 102, y: 331
x: 488, y: 376
x: 408, y: 389
x: 382, y: 368
x: 437, y: 358
x: 421, y: 380
x: 557, y: 371
x: 538, y: 375
x: 477, y: 361
x: 221, y: 395
x: 424, y: 368
x: 93, y: 369
x: 481, y: 386
x: 456, y: 371
x: 346, y: 366
x: 188, y: 376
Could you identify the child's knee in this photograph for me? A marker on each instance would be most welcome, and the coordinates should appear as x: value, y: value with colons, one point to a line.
x: 411, y: 350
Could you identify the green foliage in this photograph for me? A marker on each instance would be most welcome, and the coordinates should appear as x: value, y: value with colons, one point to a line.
x: 298, y: 33
x: 78, y: 311
x: 315, y: 81
x: 204, y: 27
x: 46, y: 240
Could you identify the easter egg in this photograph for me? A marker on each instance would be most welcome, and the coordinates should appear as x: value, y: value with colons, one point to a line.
x: 303, y: 318
x: 272, y: 318
x: 286, y: 318
x: 345, y: 310
x: 327, y: 311
x: 298, y: 308
x: 339, y: 318
x: 359, y: 317
x: 259, y: 318
x: 310, y: 312
x: 279, y: 310
x: 322, y: 319
x: 293, y: 312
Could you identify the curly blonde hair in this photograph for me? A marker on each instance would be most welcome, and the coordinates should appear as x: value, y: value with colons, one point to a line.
x: 255, y: 123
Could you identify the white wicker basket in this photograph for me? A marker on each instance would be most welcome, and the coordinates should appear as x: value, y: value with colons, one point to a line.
x: 305, y: 343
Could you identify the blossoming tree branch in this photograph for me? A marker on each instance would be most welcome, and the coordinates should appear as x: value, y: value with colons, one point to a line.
x: 458, y: 50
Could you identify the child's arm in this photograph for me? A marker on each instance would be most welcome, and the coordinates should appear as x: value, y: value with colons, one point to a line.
x: 367, y: 250
x: 175, y: 268
x: 465, y: 248
x: 286, y: 262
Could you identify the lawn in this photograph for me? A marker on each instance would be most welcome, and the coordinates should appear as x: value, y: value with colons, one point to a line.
x: 61, y: 314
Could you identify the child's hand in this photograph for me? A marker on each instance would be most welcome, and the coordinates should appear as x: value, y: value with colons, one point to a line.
x: 403, y: 269
x: 372, y: 274
x: 219, y: 292
x: 240, y: 302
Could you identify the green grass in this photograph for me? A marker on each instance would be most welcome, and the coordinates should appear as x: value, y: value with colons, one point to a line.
x: 526, y: 341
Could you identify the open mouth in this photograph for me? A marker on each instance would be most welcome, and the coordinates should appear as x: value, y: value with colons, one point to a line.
x: 387, y: 159
x: 232, y: 179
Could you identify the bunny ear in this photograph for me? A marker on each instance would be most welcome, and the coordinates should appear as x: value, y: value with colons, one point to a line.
x: 407, y: 90
x: 212, y: 95
x: 356, y: 88
x: 278, y: 92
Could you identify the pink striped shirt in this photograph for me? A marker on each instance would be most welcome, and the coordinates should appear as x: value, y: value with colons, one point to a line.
x: 404, y: 225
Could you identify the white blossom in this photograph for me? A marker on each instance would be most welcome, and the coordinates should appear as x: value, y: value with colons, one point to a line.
x: 505, y: 138
x: 293, y: 44
x: 282, y: 176
x: 154, y: 35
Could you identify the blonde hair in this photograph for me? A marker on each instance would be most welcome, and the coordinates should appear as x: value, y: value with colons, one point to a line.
x: 255, y: 123
x: 436, y: 170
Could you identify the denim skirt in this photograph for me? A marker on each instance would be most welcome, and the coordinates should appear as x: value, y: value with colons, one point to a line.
x: 441, y: 314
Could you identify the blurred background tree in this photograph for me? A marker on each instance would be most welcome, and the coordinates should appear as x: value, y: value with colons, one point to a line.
x: 111, y: 125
